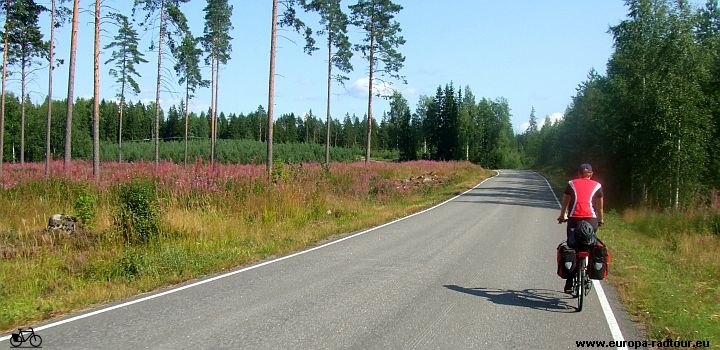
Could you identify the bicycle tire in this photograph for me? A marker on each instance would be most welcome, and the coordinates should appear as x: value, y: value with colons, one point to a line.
x: 13, y: 343
x: 34, y: 338
x: 581, y: 290
x: 581, y: 278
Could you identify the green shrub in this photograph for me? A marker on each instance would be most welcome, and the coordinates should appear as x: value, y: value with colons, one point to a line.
x: 85, y: 209
x: 138, y: 218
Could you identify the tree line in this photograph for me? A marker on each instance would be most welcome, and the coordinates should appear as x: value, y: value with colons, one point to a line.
x: 449, y: 126
x: 24, y: 47
x: 651, y: 124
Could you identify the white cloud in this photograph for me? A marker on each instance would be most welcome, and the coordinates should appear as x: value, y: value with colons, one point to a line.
x: 359, y: 88
x: 555, y: 117
x: 521, y: 129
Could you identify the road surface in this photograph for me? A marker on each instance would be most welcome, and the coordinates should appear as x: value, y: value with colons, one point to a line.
x: 477, y: 272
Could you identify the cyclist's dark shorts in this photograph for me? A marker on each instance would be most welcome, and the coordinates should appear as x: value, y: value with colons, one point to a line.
x: 572, y: 222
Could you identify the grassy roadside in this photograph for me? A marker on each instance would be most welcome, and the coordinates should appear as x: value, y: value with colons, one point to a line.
x: 220, y: 224
x: 667, y: 272
x: 666, y: 268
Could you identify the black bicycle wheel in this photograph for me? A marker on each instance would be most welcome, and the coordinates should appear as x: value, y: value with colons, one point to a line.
x: 581, y: 289
x: 35, y: 340
x: 14, y: 343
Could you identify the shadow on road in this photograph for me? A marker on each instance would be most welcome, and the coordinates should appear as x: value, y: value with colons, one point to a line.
x: 526, y: 189
x: 540, y: 299
x: 528, y: 196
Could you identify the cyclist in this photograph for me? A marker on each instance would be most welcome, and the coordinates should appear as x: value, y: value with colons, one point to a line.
x: 582, y: 201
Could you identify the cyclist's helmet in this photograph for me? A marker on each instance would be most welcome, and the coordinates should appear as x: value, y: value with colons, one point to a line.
x: 584, y: 233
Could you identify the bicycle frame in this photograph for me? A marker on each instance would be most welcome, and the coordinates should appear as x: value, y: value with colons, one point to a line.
x: 23, y: 335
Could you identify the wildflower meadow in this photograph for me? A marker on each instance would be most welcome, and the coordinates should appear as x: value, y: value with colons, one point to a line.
x: 145, y: 225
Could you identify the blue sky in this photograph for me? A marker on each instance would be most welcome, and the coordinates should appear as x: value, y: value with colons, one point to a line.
x: 533, y: 53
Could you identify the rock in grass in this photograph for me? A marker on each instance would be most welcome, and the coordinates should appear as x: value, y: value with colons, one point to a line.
x: 62, y: 223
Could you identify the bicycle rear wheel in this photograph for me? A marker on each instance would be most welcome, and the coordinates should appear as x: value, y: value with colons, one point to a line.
x: 14, y: 343
x: 581, y: 289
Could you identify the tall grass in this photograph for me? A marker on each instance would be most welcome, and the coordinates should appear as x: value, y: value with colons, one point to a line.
x: 209, y: 219
x: 666, y: 266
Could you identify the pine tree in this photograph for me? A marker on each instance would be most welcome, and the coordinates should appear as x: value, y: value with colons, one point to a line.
x: 382, y: 39
x: 96, y: 95
x: 216, y: 42
x: 51, y: 57
x: 125, y: 56
x: 169, y: 15
x: 25, y: 45
x: 188, y: 70
x: 6, y: 40
x: 71, y: 86
x: 334, y: 23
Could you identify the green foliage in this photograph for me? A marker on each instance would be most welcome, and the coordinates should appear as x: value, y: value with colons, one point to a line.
x: 24, y: 37
x: 402, y: 134
x: 85, y: 206
x: 125, y: 55
x: 137, y: 216
x: 379, y: 45
x: 650, y: 125
x: 667, y: 273
x: 334, y: 22
x: 383, y: 32
x: 217, y: 28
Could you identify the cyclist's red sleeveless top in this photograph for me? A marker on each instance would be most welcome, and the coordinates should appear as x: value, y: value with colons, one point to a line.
x: 583, y: 192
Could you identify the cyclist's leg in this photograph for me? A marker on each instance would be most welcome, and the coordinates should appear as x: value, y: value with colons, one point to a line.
x: 570, y: 232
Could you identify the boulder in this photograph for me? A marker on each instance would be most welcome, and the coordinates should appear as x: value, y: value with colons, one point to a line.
x: 62, y: 223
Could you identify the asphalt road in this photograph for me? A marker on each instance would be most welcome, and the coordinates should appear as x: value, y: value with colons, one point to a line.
x: 477, y: 272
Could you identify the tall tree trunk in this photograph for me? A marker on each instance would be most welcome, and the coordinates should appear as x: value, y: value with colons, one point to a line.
x: 370, y: 92
x: 329, y: 86
x: 271, y: 90
x: 22, y: 112
x: 48, y: 124
x: 120, y: 122
x: 215, y: 110
x: 4, y: 82
x: 96, y: 95
x: 71, y: 87
x: 157, y: 86
x: 212, y: 106
x: 121, y: 109
x: 187, y: 118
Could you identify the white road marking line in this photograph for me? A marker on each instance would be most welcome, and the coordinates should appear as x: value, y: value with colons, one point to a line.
x: 171, y: 291
x: 607, y: 310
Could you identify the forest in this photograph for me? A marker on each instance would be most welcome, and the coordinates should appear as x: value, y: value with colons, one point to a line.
x: 649, y: 124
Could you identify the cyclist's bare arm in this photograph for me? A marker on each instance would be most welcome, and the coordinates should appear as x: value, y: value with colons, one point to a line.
x: 564, y: 207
